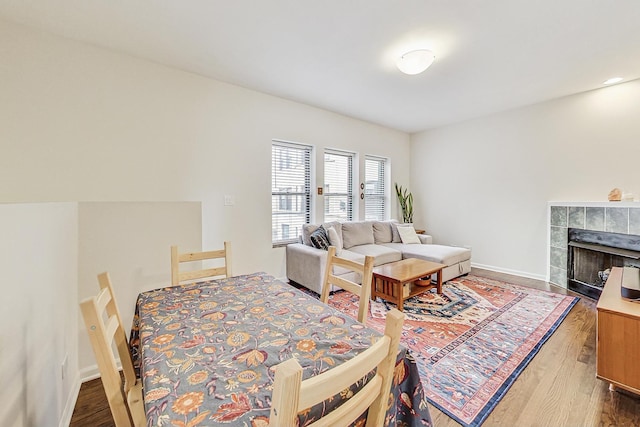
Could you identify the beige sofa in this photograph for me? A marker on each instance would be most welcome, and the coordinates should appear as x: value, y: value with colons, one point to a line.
x: 357, y: 239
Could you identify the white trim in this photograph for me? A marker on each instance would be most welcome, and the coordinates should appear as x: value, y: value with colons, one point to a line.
x: 621, y: 204
x: 293, y: 144
x: 91, y: 373
x: 512, y: 272
x: 72, y: 399
x: 547, y: 273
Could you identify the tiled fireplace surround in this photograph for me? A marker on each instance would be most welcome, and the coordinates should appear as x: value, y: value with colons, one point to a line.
x: 614, y: 217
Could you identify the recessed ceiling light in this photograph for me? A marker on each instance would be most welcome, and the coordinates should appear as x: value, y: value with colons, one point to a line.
x: 612, y: 80
x: 416, y: 61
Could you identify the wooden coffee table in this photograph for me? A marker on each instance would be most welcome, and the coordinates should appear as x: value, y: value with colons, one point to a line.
x: 389, y: 280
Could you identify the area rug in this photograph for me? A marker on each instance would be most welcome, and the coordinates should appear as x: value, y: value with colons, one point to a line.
x: 471, y: 342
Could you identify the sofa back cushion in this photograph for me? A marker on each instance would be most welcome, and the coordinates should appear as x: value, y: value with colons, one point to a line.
x: 382, y: 232
x: 357, y: 233
x: 307, y: 229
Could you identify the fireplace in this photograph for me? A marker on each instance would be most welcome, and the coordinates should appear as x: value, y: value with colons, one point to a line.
x: 592, y: 254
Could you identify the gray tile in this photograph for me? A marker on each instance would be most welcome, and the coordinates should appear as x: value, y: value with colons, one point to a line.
x: 559, y: 237
x: 617, y: 220
x: 594, y: 219
x: 576, y: 217
x: 558, y: 276
x: 558, y: 258
x: 634, y: 221
x: 559, y: 216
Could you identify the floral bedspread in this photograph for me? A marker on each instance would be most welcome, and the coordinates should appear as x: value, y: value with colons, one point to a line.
x: 206, y: 352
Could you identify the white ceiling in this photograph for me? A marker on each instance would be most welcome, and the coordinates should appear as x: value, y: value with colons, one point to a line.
x: 491, y: 55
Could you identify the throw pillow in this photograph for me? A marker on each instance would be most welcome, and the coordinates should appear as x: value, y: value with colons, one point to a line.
x: 394, y: 230
x: 334, y: 239
x: 319, y: 238
x: 408, y: 235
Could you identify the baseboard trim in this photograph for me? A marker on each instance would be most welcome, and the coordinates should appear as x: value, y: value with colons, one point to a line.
x: 90, y: 373
x: 541, y: 277
x: 65, y: 420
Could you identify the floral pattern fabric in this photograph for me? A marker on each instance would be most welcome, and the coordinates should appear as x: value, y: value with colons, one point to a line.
x: 206, y: 352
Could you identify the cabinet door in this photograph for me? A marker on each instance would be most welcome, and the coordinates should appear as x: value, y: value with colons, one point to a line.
x: 618, y: 349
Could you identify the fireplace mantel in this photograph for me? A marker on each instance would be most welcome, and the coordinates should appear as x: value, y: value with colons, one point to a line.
x: 616, y: 217
x: 621, y: 204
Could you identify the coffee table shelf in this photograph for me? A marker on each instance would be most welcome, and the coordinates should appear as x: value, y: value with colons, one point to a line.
x: 390, y: 280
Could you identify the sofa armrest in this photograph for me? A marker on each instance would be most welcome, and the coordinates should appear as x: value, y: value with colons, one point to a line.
x: 306, y: 265
x: 425, y: 239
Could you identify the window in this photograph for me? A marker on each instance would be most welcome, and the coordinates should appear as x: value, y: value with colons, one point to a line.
x: 374, y: 188
x: 290, y: 190
x: 338, y: 186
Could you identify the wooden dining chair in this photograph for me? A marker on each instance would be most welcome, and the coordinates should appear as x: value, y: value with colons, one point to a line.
x: 177, y: 259
x: 292, y: 395
x: 104, y: 326
x: 362, y: 290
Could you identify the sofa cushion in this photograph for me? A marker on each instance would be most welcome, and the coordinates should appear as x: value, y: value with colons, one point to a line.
x: 307, y: 229
x: 334, y: 239
x: 408, y: 235
x: 382, y: 232
x: 353, y: 256
x: 320, y: 239
x: 394, y: 231
x: 448, y: 255
x: 382, y: 254
x: 357, y: 233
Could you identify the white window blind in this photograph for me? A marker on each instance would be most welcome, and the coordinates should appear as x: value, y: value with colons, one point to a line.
x: 375, y: 192
x: 338, y: 186
x: 290, y: 190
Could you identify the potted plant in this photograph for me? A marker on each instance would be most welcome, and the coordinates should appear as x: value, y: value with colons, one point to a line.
x: 406, y: 203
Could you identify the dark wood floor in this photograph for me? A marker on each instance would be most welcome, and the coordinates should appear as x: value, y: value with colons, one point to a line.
x: 558, y: 388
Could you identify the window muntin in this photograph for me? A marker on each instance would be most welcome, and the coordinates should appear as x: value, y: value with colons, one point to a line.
x: 290, y: 190
x: 338, y: 185
x: 375, y: 196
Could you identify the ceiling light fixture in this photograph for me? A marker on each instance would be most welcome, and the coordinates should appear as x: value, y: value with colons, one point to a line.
x: 416, y: 61
x: 612, y: 80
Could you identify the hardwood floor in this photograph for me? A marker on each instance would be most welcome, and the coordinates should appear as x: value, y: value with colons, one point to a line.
x: 558, y: 388
x: 92, y: 408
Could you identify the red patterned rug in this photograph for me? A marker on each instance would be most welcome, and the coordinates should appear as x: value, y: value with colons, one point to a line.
x: 472, y: 342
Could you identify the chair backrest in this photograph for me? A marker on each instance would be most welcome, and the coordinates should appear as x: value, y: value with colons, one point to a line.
x: 104, y: 326
x: 178, y: 277
x: 362, y: 290
x: 291, y: 395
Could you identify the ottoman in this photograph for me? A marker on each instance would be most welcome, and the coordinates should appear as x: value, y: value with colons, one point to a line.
x: 456, y: 259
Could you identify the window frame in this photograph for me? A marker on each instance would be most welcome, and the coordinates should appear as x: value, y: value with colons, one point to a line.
x: 328, y: 195
x: 306, y: 151
x: 383, y: 196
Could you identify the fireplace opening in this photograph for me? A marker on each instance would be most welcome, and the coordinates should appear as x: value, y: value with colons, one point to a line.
x: 592, y: 254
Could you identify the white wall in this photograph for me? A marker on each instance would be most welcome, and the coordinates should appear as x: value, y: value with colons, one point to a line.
x: 81, y: 123
x: 131, y: 241
x: 485, y: 183
x: 38, y: 313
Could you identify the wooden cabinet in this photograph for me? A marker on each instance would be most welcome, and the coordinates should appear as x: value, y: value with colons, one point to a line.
x: 618, y: 337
